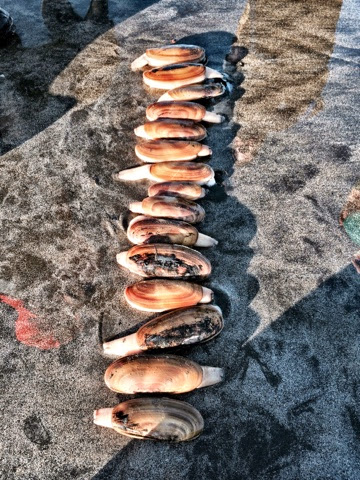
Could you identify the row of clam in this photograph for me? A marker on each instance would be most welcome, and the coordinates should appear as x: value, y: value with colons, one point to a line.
x: 163, y: 235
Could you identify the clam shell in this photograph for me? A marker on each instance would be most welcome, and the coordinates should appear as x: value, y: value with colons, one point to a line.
x: 159, y: 295
x: 153, y: 418
x: 173, y: 207
x: 193, y: 92
x: 184, y: 326
x: 165, y: 260
x: 152, y: 374
x: 188, y: 190
x: 174, y: 76
x: 172, y: 128
x: 155, y: 151
x: 145, y: 230
x: 186, y: 110
x: 196, y: 172
x: 170, y: 171
x: 170, y: 54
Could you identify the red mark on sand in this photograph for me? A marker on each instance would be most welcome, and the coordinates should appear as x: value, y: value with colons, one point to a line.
x: 27, y: 331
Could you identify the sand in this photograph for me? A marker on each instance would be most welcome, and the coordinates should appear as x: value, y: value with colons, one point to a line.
x: 286, y: 160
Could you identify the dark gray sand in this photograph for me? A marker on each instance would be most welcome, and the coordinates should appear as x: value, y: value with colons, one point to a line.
x: 286, y: 159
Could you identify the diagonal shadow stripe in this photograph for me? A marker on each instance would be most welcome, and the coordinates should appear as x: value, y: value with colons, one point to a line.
x: 275, y: 429
x: 27, y: 106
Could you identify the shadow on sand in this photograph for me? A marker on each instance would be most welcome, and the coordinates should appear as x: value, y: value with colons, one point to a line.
x: 288, y: 406
x: 28, y: 104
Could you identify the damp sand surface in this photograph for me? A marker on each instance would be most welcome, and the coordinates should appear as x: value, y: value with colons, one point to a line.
x: 286, y: 159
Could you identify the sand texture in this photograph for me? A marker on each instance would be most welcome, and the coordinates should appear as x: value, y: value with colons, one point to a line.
x: 286, y: 160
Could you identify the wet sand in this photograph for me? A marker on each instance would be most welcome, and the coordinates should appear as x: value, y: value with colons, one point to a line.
x: 286, y: 159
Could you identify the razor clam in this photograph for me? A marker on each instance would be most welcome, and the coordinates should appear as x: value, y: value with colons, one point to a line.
x: 147, y: 230
x: 154, y: 151
x: 171, y: 128
x: 170, y: 171
x: 169, y: 207
x: 185, y: 110
x: 184, y: 326
x: 165, y: 260
x: 173, y: 76
x: 168, y: 55
x: 188, y: 190
x: 159, y: 373
x: 152, y: 418
x: 159, y: 295
x: 193, y: 92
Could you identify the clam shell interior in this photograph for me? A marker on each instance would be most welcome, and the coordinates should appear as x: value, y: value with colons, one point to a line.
x: 181, y: 71
x: 167, y: 260
x: 184, y: 326
x: 170, y: 54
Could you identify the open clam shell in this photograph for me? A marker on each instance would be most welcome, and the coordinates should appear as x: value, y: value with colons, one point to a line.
x: 193, y: 92
x: 159, y: 373
x: 168, y: 55
x: 173, y: 76
x: 184, y: 110
x: 148, y: 230
x: 153, y: 418
x: 165, y: 260
x: 170, y: 207
x: 159, y: 295
x: 154, y: 151
x: 171, y: 128
x: 184, y: 326
x: 188, y: 190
